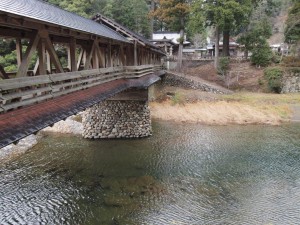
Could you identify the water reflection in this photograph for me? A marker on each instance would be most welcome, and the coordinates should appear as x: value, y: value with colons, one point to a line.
x: 184, y: 174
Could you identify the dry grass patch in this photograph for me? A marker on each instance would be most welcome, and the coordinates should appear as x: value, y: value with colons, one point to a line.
x: 239, y: 108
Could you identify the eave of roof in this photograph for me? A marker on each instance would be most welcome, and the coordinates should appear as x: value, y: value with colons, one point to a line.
x: 47, y: 13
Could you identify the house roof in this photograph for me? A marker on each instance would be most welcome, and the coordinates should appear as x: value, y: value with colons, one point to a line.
x: 44, y: 12
x: 169, y: 35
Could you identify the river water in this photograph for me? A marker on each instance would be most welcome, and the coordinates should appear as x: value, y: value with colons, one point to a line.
x: 183, y: 174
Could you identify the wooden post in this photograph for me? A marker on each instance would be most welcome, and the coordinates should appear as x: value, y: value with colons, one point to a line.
x: 3, y: 73
x: 19, y: 51
x: 48, y: 63
x: 109, y: 58
x: 80, y: 57
x: 95, y: 57
x: 36, y: 67
x: 89, y: 56
x: 122, y: 55
x: 135, y: 54
x: 53, y: 55
x: 42, y: 57
x: 100, y: 56
x: 72, y: 55
x: 23, y: 68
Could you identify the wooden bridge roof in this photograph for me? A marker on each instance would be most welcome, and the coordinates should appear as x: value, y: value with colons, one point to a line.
x: 126, y: 32
x: 43, y: 12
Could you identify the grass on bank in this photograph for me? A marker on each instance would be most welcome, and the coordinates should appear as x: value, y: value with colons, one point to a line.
x: 240, y: 107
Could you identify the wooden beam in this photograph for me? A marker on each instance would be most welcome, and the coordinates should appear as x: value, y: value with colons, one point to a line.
x: 80, y: 57
x: 72, y: 55
x: 23, y: 68
x: 53, y: 55
x: 109, y: 58
x: 100, y: 56
x: 36, y: 67
x: 42, y: 57
x: 3, y: 73
x: 135, y: 54
x: 95, y: 58
x: 122, y: 55
x: 48, y: 63
x: 89, y: 56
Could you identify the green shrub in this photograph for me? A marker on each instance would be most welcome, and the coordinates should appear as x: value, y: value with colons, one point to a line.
x: 273, y: 75
x: 177, y: 99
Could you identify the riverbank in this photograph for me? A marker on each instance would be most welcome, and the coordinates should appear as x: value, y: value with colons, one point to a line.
x: 183, y: 105
x: 191, y: 106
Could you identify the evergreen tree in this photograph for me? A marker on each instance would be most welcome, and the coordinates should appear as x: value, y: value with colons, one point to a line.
x: 174, y: 12
x: 261, y: 53
x: 132, y: 14
x: 292, y: 31
x: 257, y: 31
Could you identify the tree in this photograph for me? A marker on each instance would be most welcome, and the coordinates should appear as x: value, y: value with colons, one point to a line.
x: 85, y: 8
x: 227, y: 16
x: 292, y: 31
x: 262, y: 53
x: 175, y: 12
x: 256, y: 31
x: 132, y: 14
x: 196, y: 29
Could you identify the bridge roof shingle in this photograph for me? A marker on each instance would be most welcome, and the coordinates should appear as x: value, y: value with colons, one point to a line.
x: 47, y: 13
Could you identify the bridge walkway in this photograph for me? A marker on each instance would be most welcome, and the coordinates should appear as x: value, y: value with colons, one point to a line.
x: 19, y: 123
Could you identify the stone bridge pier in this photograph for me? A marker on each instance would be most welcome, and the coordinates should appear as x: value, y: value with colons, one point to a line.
x: 126, y: 115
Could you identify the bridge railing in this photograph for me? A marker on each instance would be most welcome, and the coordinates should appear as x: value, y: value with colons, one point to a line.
x: 19, y: 92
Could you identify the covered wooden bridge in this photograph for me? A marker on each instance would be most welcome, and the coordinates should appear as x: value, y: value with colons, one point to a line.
x: 66, y: 63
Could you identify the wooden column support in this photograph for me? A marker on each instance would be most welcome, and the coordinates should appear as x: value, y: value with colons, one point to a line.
x: 72, y: 55
x: 135, y: 54
x: 109, y: 58
x: 122, y: 55
x: 90, y: 54
x: 53, y: 55
x: 23, y: 68
x: 42, y: 57
x: 3, y: 73
x: 80, y: 57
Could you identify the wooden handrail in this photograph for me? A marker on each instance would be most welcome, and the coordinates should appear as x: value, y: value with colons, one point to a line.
x: 19, y: 92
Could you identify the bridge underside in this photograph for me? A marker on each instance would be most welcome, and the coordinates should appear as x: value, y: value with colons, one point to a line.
x: 17, y: 124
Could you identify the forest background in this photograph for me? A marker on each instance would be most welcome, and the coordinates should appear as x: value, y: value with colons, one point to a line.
x: 250, y: 22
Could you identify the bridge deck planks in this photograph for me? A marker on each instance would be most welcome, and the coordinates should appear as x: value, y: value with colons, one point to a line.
x: 20, y: 123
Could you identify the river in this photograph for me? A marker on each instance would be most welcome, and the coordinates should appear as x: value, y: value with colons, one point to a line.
x: 183, y: 174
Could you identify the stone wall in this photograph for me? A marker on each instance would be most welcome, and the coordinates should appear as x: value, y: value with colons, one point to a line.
x: 187, y: 82
x: 291, y: 81
x: 117, y: 119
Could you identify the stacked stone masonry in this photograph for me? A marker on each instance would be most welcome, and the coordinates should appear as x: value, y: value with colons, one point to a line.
x: 117, y: 119
x: 185, y: 82
x: 291, y: 82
